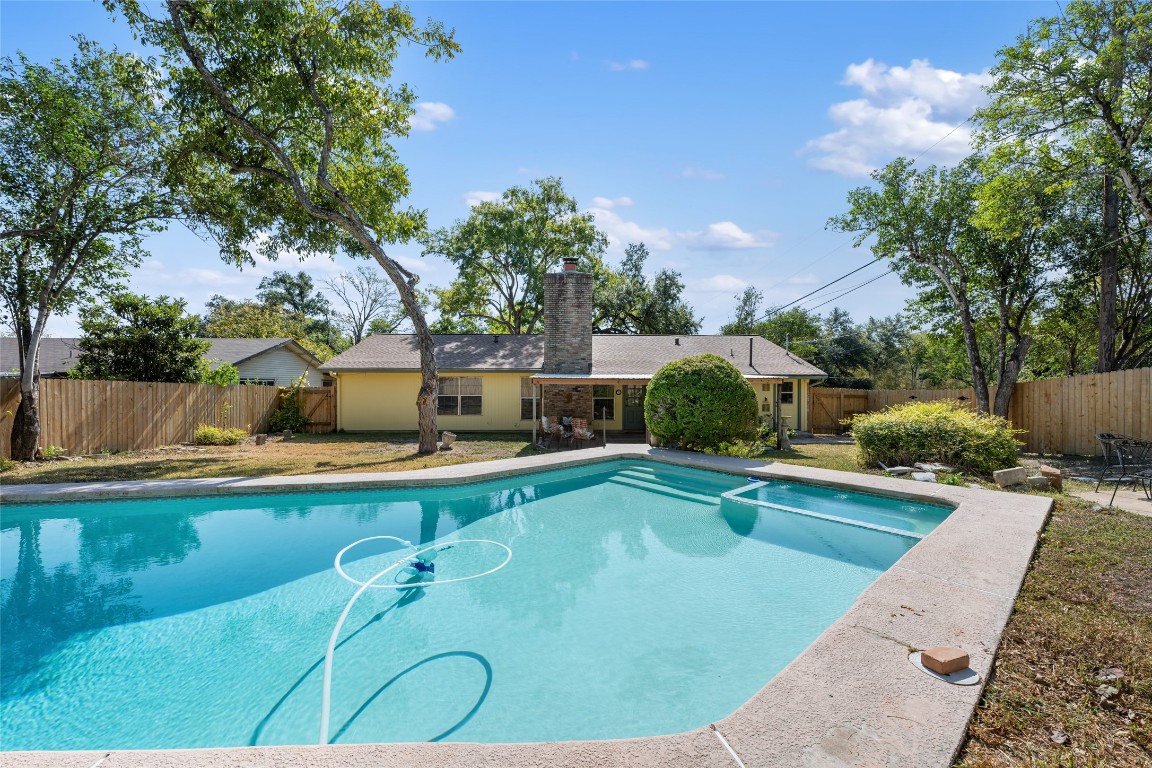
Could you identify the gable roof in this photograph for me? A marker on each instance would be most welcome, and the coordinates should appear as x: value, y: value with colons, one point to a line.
x: 237, y: 351
x: 612, y: 355
x: 58, y: 355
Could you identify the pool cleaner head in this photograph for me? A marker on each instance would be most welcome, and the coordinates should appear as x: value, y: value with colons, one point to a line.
x: 423, y: 565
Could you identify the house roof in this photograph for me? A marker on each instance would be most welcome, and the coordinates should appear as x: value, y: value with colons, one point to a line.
x: 612, y: 355
x: 59, y: 355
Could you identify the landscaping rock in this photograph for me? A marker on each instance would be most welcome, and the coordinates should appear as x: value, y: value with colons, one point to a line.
x: 261, y: 439
x: 1083, y: 479
x: 1005, y: 478
x: 1055, y: 476
x: 1058, y: 737
x: 286, y: 434
x: 934, y: 467
x: 1109, y: 673
x: 1106, y: 692
x: 1039, y: 482
x: 899, y: 471
x: 924, y: 477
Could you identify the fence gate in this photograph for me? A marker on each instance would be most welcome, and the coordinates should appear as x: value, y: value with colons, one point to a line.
x: 318, y: 404
x: 826, y: 407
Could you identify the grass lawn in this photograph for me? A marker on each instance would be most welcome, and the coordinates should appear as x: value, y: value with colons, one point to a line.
x: 302, y: 455
x: 1085, y: 607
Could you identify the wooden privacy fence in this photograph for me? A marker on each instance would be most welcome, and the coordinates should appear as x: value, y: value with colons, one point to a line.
x: 92, y: 416
x: 1058, y: 415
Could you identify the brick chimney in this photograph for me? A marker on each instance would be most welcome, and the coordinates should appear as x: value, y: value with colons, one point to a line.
x: 568, y: 320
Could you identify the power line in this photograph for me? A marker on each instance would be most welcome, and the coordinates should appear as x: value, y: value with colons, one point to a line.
x: 850, y: 290
x: 777, y: 310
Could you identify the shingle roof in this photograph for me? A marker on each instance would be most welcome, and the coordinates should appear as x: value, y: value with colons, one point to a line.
x: 56, y: 355
x: 59, y: 355
x: 611, y: 354
x: 454, y: 352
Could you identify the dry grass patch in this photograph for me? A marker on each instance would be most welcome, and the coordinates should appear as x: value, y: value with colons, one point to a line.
x: 1084, y: 613
x: 841, y: 456
x: 302, y: 455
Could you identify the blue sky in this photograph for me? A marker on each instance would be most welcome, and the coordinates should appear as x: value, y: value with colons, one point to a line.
x: 723, y: 135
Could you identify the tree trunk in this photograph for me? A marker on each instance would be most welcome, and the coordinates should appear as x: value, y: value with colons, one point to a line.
x: 26, y: 420
x: 1109, y: 262
x: 429, y: 381
x: 1007, y: 376
x: 979, y: 378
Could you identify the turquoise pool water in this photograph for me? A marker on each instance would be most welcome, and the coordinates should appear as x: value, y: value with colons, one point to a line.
x: 637, y: 602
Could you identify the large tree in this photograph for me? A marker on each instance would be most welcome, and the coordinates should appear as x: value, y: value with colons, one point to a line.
x: 129, y: 337
x: 370, y: 303
x: 81, y: 180
x: 1072, y: 99
x: 285, y: 110
x: 297, y: 295
x: 625, y: 301
x: 504, y: 249
x: 924, y: 222
x: 226, y: 318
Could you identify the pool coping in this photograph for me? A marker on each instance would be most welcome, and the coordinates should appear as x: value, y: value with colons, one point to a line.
x: 851, y: 698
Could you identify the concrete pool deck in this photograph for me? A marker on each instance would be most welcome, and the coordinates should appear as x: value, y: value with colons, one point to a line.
x: 850, y: 699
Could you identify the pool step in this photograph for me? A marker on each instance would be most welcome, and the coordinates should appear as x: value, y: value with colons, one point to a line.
x: 684, y: 476
x: 679, y: 483
x: 665, y: 490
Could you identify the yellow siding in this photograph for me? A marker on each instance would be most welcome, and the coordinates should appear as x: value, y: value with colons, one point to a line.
x: 387, y: 401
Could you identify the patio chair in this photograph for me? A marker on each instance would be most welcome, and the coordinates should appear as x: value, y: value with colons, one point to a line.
x: 551, y: 432
x: 581, y: 434
x: 1126, y: 459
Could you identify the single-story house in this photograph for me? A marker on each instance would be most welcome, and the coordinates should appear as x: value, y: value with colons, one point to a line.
x: 278, y: 362
x: 504, y: 382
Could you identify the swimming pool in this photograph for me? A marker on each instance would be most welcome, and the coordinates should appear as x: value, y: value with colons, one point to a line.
x: 639, y: 601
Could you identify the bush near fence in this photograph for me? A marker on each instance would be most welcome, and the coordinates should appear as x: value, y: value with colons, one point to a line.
x: 1057, y: 415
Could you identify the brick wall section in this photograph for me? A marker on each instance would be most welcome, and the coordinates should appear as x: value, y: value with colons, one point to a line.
x: 558, y: 400
x: 568, y: 323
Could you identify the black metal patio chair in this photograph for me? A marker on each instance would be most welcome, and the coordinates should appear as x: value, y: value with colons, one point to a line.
x: 1126, y: 460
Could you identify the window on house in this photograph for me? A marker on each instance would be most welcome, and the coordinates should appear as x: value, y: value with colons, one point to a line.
x: 460, y: 396
x: 786, y: 393
x: 603, y: 402
x: 526, y: 407
x: 259, y: 382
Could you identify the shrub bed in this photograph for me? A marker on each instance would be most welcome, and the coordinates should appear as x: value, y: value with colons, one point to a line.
x: 206, y: 434
x: 941, y: 432
x: 700, y: 402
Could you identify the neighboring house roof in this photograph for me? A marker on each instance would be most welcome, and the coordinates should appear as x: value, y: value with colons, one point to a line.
x: 236, y: 351
x: 612, y: 355
x: 57, y: 356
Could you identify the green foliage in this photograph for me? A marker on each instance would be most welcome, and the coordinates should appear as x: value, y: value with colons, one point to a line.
x: 231, y: 319
x: 625, y: 301
x: 52, y: 452
x: 700, y: 402
x: 134, y: 338
x: 742, y: 449
x: 937, y: 432
x: 504, y: 249
x: 206, y: 434
x: 289, y: 415
x: 222, y: 374
x: 7, y: 464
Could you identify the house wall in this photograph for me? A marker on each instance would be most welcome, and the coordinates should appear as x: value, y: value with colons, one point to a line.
x: 387, y: 402
x: 281, y: 366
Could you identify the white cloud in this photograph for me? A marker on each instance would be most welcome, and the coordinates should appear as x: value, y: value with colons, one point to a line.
x: 472, y: 199
x: 701, y: 173
x: 621, y: 232
x: 611, y: 202
x: 430, y: 114
x: 633, y: 65
x: 720, y: 284
x: 903, y: 111
x: 727, y: 236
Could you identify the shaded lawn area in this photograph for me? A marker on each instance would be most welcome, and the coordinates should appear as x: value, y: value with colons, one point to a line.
x: 303, y: 454
x: 1084, y: 613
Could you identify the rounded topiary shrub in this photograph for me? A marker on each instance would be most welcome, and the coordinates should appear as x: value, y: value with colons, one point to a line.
x: 699, y: 402
x: 942, y: 432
